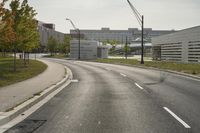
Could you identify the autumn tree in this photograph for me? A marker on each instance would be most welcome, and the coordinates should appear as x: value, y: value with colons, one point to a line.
x: 18, y: 27
x: 7, y: 34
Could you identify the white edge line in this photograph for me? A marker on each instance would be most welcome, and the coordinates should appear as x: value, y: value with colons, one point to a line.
x: 139, y: 86
x: 177, y: 118
x: 32, y: 109
x: 123, y: 74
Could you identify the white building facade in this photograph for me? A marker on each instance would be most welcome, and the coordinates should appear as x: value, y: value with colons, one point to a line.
x: 182, y: 46
x: 89, y: 49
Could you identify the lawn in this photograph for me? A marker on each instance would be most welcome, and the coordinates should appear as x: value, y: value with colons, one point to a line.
x: 8, y: 76
x: 179, y: 67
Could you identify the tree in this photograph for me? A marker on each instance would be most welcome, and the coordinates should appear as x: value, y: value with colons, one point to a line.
x: 113, y: 43
x: 65, y: 46
x: 27, y: 28
x: 127, y: 49
x: 18, y: 28
x: 52, y: 45
x: 7, y: 34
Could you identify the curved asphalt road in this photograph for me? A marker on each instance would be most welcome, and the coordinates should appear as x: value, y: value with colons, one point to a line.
x: 119, y: 99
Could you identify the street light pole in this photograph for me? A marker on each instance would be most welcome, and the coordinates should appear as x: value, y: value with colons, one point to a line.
x: 126, y: 48
x: 79, y: 38
x: 79, y: 44
x: 140, y: 19
x: 142, y: 41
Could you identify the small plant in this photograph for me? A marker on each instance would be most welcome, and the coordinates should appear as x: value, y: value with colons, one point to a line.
x: 194, y: 72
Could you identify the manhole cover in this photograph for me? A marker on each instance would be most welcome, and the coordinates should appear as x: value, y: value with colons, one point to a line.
x: 26, y: 126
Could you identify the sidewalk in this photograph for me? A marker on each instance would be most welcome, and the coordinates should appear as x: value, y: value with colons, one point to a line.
x: 12, y: 95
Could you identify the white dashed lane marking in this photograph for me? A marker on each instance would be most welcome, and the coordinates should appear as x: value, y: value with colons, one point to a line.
x: 139, y: 86
x: 177, y: 118
x: 124, y: 75
x: 74, y: 80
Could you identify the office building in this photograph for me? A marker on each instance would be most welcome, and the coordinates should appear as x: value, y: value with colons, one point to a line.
x: 47, y: 30
x: 182, y: 46
x: 120, y: 35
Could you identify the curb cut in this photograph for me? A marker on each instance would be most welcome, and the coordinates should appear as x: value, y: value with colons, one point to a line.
x: 5, y: 117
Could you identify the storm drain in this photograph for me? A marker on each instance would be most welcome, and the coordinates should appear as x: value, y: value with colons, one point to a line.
x: 26, y: 126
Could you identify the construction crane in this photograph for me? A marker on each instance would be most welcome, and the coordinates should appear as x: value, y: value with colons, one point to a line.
x: 79, y: 37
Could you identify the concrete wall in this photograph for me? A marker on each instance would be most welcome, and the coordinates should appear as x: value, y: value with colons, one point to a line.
x: 102, y: 52
x: 181, y: 46
x: 88, y: 49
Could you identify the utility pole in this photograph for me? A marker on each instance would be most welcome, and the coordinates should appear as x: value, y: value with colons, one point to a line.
x: 126, y: 48
x: 140, y: 19
x: 142, y: 41
x: 79, y: 44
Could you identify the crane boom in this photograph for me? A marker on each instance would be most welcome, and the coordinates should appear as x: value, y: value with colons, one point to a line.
x: 73, y: 25
x: 137, y: 14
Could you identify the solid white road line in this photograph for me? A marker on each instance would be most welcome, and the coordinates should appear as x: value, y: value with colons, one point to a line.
x: 31, y: 110
x: 139, y: 86
x: 177, y: 118
x: 123, y: 74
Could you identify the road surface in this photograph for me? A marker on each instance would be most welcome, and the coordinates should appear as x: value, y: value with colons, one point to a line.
x: 105, y: 98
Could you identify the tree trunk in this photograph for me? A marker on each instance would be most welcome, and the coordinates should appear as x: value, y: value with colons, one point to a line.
x: 3, y: 52
x: 14, y: 68
x: 28, y: 57
x: 24, y: 55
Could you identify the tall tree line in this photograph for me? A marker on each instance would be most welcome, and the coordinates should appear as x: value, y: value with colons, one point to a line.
x: 18, y: 28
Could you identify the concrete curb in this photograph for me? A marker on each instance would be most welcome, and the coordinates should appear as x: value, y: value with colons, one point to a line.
x: 5, y: 117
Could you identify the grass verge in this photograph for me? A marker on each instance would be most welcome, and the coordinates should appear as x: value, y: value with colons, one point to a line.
x: 188, y: 68
x: 7, y: 76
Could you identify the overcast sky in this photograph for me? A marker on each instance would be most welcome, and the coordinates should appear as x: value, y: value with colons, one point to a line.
x: 116, y: 14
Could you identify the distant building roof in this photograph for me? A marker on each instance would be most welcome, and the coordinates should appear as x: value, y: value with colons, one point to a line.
x: 139, y: 45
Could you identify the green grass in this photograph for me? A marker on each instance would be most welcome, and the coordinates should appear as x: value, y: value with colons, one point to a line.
x: 8, y: 76
x: 179, y: 67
